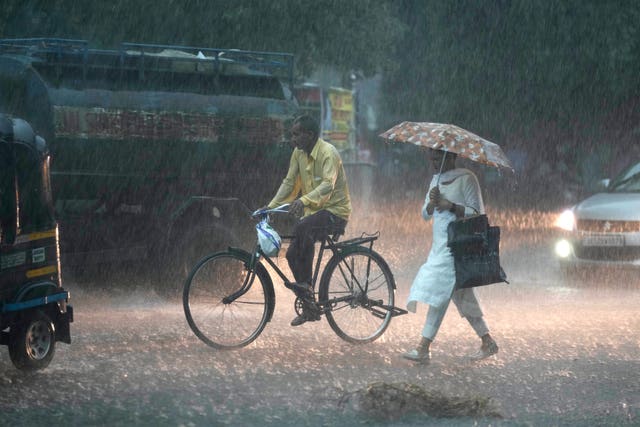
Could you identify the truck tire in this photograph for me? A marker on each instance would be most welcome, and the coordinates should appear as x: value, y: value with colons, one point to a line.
x: 185, y: 251
x: 32, y: 341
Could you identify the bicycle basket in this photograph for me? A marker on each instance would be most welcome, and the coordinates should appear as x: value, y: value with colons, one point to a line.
x: 268, y: 238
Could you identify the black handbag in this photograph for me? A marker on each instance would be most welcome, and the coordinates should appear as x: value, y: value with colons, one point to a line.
x: 475, y: 246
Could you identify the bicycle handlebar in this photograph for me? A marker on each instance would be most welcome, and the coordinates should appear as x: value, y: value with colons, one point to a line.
x: 264, y: 212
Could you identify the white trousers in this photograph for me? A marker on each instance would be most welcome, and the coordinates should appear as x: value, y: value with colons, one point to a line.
x: 467, y: 304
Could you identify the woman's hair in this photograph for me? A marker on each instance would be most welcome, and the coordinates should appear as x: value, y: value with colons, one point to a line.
x: 308, y: 123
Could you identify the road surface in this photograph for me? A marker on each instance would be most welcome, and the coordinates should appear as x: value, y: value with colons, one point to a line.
x: 568, y: 356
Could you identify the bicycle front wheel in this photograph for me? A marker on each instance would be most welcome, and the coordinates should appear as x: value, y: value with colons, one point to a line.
x: 359, y: 289
x: 223, y: 308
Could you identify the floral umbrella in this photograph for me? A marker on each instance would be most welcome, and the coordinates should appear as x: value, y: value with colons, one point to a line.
x: 450, y: 138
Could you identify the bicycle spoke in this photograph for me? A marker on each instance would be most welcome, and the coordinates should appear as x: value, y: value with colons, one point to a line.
x: 217, y: 319
x: 363, y: 275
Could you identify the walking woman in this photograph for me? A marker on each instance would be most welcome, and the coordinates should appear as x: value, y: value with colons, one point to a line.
x: 453, y: 193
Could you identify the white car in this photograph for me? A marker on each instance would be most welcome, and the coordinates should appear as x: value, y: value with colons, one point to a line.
x: 604, y: 229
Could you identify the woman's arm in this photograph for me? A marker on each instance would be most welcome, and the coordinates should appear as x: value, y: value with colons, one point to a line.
x: 472, y: 193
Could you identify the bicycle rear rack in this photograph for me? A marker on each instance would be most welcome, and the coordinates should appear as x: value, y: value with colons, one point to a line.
x: 365, y: 238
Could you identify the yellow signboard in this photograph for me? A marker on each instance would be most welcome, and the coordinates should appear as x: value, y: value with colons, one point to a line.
x: 341, y: 117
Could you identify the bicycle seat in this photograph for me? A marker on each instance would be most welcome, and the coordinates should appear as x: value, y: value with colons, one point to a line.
x: 331, y: 231
x: 334, y: 231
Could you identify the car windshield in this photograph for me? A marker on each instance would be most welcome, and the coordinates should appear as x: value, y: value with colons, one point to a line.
x: 627, y: 181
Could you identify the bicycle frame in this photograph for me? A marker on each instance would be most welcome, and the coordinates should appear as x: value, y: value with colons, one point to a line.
x: 351, y: 283
x: 248, y: 281
x: 327, y: 243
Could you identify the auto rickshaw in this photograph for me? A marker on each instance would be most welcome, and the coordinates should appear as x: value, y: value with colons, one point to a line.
x: 34, y: 309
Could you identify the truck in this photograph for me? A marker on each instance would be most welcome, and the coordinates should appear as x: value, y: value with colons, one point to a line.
x: 158, y: 151
x: 34, y: 307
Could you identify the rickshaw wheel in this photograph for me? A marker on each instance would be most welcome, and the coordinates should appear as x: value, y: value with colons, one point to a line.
x: 32, y: 341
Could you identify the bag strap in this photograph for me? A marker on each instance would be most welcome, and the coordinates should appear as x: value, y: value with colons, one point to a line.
x: 470, y: 207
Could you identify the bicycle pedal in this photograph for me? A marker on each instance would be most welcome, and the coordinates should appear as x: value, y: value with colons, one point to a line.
x: 312, y: 317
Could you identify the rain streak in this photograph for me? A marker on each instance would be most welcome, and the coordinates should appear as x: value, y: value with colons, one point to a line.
x: 139, y: 137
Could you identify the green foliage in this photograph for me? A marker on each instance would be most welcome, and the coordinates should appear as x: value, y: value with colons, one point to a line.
x: 555, y: 80
x: 500, y: 65
x: 463, y: 61
x: 554, y: 76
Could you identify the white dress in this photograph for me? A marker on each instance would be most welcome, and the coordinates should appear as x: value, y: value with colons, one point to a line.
x: 435, y: 281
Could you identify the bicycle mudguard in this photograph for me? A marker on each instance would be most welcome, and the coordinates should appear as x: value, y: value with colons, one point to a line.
x: 241, y: 253
x: 262, y: 271
x: 345, y: 250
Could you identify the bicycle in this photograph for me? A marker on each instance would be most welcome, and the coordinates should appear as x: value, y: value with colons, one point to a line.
x: 229, y: 298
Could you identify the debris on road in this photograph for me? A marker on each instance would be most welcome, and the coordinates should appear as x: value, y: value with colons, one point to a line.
x: 390, y: 401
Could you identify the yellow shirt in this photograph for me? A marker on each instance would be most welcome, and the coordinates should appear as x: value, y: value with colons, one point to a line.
x: 321, y: 179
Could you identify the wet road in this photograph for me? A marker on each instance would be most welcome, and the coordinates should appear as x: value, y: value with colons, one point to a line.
x: 568, y: 356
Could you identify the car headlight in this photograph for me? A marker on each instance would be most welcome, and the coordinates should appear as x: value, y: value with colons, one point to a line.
x: 566, y: 220
x: 563, y: 248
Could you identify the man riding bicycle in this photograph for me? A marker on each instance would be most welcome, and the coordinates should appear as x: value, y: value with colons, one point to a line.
x: 316, y: 188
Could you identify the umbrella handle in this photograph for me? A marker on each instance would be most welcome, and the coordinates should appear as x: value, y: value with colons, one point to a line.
x: 441, y: 166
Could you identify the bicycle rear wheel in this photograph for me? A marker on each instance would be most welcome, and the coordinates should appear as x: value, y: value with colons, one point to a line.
x: 217, y: 312
x: 359, y: 288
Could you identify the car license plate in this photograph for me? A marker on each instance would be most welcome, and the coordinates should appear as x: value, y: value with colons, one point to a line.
x: 603, y: 240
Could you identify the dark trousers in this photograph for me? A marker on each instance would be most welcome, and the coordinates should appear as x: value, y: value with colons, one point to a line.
x: 307, y: 231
